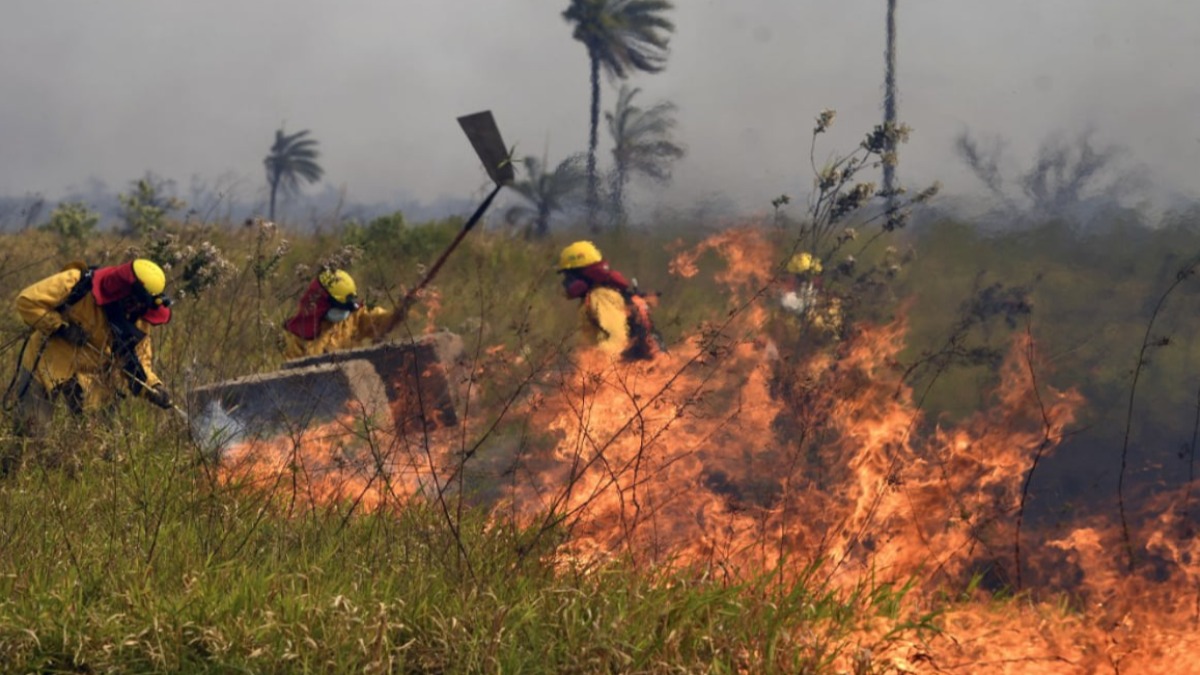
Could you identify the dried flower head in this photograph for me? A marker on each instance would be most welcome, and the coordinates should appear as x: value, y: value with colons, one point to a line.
x: 852, y: 200
x: 824, y: 120
x: 846, y: 266
x: 829, y: 178
x: 885, y: 137
x: 896, y: 220
x: 203, y: 267
x: 342, y: 258
x: 928, y: 193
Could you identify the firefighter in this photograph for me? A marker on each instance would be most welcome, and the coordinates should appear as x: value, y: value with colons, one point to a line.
x: 90, y: 344
x: 805, y: 297
x: 614, y: 313
x: 330, y: 318
x: 805, y: 271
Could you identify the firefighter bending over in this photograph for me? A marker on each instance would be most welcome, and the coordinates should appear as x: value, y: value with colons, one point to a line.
x: 330, y: 318
x: 614, y: 314
x: 90, y: 342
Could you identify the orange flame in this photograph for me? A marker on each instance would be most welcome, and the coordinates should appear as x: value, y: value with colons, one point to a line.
x: 733, y: 455
x: 736, y: 454
x: 346, y: 461
x: 432, y: 299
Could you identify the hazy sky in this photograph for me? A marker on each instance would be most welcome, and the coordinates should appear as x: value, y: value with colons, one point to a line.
x: 112, y: 89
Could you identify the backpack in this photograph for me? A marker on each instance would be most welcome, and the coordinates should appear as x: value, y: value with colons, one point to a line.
x: 81, y: 287
x: 644, y: 342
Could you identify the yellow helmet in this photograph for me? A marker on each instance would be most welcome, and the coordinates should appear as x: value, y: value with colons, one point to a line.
x: 804, y: 262
x: 150, y: 276
x: 577, y: 255
x: 339, y: 285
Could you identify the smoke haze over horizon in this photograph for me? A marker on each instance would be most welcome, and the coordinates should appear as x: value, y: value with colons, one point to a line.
x: 111, y: 90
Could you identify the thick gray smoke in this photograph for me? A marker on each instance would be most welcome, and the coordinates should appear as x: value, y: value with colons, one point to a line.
x: 194, y: 91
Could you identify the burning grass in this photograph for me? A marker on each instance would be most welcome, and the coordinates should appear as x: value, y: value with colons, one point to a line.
x: 767, y: 497
x: 736, y: 456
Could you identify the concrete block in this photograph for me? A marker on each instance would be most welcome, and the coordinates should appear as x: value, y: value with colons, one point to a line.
x: 416, y: 376
x: 401, y: 389
x: 287, y: 403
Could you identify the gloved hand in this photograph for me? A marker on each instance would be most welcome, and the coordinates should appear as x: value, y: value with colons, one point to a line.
x: 159, y: 396
x: 72, y: 333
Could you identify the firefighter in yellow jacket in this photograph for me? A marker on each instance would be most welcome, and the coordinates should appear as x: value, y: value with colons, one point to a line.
x: 614, y: 314
x: 330, y: 318
x: 90, y: 342
x: 806, y: 298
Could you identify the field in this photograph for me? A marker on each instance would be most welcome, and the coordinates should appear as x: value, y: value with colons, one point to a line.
x: 980, y: 461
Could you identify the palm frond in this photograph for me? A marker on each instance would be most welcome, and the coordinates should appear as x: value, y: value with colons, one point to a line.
x: 642, y: 142
x: 292, y: 159
x: 622, y: 35
x: 546, y: 192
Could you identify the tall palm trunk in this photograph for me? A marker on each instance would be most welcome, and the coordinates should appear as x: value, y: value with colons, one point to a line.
x: 274, y: 190
x: 620, y: 177
x: 889, y: 102
x: 593, y: 141
x: 542, y: 226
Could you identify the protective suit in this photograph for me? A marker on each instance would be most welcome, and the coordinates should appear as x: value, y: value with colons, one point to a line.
x: 360, y: 328
x: 805, y: 299
x: 805, y: 272
x: 330, y: 319
x: 605, y: 320
x: 614, y: 315
x: 90, y: 342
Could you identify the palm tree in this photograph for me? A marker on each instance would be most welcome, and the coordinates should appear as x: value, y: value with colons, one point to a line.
x: 293, y: 157
x: 642, y: 144
x: 621, y: 37
x: 545, y: 192
x: 889, y: 105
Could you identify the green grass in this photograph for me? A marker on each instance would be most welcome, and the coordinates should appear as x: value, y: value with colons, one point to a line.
x: 136, y: 564
x: 120, y: 553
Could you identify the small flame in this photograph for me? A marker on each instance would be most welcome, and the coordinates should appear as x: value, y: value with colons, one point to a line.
x: 347, y: 460
x: 431, y: 298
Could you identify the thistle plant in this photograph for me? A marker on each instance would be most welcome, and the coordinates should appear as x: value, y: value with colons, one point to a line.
x: 341, y: 258
x: 203, y: 266
x: 268, y: 252
x: 778, y: 203
x: 840, y: 190
x: 195, y: 268
x: 846, y: 199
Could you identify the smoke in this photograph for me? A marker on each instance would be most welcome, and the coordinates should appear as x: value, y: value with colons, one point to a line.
x: 215, y: 431
x: 1074, y: 178
x: 113, y: 92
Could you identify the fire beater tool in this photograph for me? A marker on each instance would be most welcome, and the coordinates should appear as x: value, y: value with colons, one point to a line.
x: 484, y: 135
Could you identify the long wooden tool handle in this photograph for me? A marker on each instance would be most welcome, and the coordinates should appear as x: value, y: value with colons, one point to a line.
x: 410, y: 296
x: 401, y: 312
